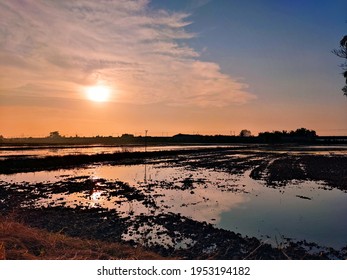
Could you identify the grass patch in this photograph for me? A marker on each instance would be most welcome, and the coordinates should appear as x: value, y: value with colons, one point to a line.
x: 21, y: 242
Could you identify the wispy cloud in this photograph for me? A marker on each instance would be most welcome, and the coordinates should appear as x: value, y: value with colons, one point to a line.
x: 196, y: 4
x: 55, y: 48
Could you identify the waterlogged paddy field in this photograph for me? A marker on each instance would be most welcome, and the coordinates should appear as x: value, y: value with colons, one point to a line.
x: 65, y: 150
x: 228, y: 203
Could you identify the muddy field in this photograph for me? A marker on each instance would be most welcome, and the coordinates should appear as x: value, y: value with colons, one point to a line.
x: 175, y: 202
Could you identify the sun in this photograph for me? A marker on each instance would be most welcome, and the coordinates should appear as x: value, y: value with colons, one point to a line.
x: 98, y: 93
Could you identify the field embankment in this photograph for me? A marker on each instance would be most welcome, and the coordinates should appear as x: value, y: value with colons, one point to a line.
x: 21, y: 242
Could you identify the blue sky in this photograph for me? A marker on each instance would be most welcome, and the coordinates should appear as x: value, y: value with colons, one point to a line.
x: 282, y: 49
x: 268, y: 39
x: 171, y: 66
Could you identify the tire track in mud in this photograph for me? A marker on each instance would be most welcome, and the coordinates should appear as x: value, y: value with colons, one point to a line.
x: 280, y: 170
x: 274, y: 169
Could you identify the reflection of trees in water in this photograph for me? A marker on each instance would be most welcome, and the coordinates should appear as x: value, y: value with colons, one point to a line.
x: 145, y: 174
x: 131, y: 208
x: 126, y: 149
x: 54, y: 150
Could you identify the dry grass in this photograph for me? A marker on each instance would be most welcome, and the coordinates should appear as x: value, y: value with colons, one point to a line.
x: 20, y: 242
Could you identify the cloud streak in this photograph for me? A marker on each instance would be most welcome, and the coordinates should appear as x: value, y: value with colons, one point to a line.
x: 57, y: 48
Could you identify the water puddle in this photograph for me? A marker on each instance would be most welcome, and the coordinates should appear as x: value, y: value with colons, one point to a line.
x: 44, y: 151
x: 301, y: 210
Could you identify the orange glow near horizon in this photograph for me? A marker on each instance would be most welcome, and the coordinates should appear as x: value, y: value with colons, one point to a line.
x: 158, y: 67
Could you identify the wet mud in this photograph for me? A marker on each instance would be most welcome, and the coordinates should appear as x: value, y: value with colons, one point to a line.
x: 279, y: 170
x: 170, y: 234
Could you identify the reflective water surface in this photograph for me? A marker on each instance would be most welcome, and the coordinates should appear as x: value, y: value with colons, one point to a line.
x: 42, y: 151
x: 300, y: 210
x: 36, y: 151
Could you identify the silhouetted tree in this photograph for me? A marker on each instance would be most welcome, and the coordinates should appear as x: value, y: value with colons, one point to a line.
x: 342, y: 52
x: 271, y: 137
x: 54, y: 135
x: 245, y: 133
x: 301, y: 135
x: 303, y: 132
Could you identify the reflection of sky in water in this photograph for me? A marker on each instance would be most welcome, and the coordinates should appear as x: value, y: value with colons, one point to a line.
x: 92, y: 150
x: 8, y: 151
x: 236, y: 203
x: 273, y: 213
x: 153, y: 235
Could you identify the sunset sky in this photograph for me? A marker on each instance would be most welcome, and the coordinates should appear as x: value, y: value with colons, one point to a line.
x: 196, y: 66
